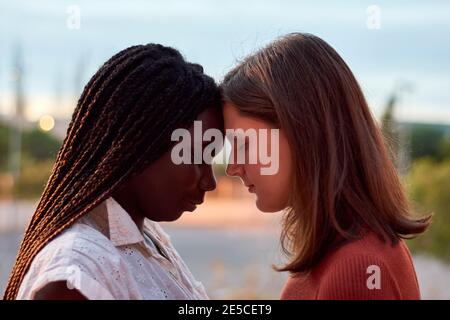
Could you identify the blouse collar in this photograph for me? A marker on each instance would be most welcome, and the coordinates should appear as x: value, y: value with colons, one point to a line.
x: 122, y: 229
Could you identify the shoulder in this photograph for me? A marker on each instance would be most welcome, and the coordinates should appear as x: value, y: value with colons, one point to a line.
x: 80, y: 244
x: 369, y: 243
x: 82, y: 257
x: 358, y: 277
x: 359, y: 270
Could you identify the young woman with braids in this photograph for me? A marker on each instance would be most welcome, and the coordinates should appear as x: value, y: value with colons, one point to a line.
x: 94, y: 234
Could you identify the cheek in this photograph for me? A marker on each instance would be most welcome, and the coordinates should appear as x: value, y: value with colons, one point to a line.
x: 164, y: 185
x: 252, y: 174
x: 177, y: 181
x: 166, y: 202
x: 175, y: 177
x: 185, y: 176
x: 285, y: 166
x: 283, y: 189
x: 273, y: 191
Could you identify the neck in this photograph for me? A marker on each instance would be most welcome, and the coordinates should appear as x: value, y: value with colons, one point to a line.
x: 131, y: 208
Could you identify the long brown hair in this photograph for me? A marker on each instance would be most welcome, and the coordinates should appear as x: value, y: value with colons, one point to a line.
x: 122, y: 123
x: 343, y: 177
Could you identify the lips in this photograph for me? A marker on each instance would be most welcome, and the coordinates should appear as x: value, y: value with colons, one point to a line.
x: 192, y: 203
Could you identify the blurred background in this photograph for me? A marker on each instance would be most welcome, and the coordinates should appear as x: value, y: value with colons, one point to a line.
x: 399, y: 51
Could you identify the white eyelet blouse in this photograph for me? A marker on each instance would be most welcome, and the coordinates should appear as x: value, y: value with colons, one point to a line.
x: 105, y: 256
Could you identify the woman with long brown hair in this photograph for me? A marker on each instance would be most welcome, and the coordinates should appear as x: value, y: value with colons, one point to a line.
x: 345, y: 209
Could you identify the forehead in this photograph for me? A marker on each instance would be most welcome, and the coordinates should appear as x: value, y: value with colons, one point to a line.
x: 235, y: 119
x: 211, y: 118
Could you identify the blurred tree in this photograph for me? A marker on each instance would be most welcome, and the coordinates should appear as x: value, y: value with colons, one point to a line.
x: 389, y: 127
x: 429, y: 189
x: 36, y: 146
x: 427, y: 141
x: 4, y: 144
x: 38, y: 153
x: 39, y: 145
x: 32, y: 179
x: 444, y: 148
x: 394, y: 134
x: 15, y: 134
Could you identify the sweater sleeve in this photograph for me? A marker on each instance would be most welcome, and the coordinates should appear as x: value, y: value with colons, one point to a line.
x: 358, y: 277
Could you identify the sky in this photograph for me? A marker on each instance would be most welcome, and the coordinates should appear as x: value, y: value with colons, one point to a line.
x: 387, y: 44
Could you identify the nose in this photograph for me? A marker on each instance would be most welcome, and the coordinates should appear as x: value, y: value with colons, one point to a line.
x: 234, y: 170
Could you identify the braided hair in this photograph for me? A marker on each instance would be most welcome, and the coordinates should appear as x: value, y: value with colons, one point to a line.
x: 122, y: 122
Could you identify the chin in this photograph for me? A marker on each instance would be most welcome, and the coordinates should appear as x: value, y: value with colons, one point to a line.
x: 174, y: 217
x: 169, y: 217
x: 267, y: 207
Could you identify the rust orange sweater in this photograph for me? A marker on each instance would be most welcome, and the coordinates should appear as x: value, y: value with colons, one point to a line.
x: 363, y: 269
